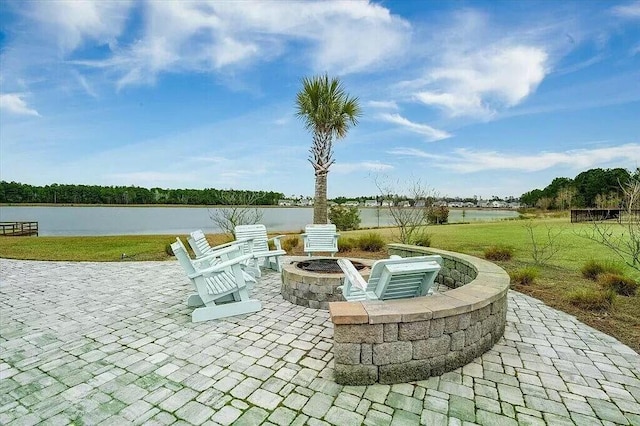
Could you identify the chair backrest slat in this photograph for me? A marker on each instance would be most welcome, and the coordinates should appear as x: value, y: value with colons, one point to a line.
x: 258, y: 234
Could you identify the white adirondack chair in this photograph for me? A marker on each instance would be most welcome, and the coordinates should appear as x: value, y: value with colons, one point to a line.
x: 221, y: 288
x: 216, y: 257
x: 253, y: 239
x: 322, y: 238
x: 202, y: 249
x: 394, y: 278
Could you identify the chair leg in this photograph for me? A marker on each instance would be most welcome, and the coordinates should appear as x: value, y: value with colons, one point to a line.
x: 227, y: 310
x: 194, y: 300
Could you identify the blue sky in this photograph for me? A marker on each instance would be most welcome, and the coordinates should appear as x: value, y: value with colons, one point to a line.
x: 466, y: 97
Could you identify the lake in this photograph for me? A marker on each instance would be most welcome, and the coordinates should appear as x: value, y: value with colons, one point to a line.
x: 86, y: 220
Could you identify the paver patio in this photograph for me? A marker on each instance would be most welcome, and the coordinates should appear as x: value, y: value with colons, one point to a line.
x: 113, y: 343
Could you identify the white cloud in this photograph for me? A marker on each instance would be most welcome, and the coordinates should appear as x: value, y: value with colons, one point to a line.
x: 383, y: 105
x: 422, y: 129
x: 73, y: 22
x: 468, y: 161
x: 481, y: 82
x: 212, y: 36
x: 630, y: 11
x: 14, y: 103
x: 363, y: 166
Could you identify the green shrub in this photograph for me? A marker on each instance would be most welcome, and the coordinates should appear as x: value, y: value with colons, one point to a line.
x: 346, y: 244
x: 524, y: 276
x: 438, y: 214
x: 289, y: 243
x: 168, y: 249
x: 422, y: 239
x: 620, y: 284
x: 592, y: 300
x: 498, y: 253
x: 593, y: 268
x: 344, y: 218
x: 371, y: 242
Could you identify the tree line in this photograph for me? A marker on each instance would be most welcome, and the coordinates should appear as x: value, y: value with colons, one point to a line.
x: 594, y: 188
x: 16, y: 193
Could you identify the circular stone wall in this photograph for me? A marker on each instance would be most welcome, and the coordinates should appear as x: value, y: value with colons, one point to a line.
x: 404, y: 340
x: 313, y: 289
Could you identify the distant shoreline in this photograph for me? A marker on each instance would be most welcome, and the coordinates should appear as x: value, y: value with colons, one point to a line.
x: 221, y: 206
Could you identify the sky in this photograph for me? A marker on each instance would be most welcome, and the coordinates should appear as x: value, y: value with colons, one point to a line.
x: 466, y: 98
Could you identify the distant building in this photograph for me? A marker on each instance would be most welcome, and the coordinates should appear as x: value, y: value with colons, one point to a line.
x: 370, y: 203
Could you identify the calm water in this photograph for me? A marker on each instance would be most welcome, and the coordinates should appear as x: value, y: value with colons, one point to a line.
x: 182, y: 220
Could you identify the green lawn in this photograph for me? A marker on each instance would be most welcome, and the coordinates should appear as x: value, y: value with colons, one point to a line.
x: 557, y: 279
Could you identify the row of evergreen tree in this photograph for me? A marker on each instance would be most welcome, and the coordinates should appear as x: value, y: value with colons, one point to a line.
x: 15, y: 193
x: 594, y: 188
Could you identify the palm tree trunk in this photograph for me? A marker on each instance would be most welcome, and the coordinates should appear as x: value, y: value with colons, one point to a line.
x: 320, y: 215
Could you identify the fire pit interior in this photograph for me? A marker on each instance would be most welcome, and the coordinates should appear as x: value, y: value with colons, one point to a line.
x: 328, y: 266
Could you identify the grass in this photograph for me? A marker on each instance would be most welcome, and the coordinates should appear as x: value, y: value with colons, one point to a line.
x: 556, y: 283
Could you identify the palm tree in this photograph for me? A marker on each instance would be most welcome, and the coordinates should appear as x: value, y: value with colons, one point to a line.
x: 327, y: 112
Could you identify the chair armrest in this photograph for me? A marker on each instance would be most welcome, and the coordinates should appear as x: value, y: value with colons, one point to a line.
x: 219, y: 267
x: 351, y: 274
x: 276, y: 241
x: 219, y: 252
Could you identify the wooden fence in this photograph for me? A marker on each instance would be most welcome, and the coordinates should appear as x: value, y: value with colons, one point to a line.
x: 18, y: 229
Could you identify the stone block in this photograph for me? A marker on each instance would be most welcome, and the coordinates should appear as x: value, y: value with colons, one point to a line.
x: 346, y: 353
x: 390, y: 332
x: 366, y: 353
x: 464, y: 321
x: 436, y: 327
x: 432, y: 347
x: 454, y: 360
x: 457, y: 340
x: 488, y: 324
x: 392, y: 353
x: 438, y: 365
x: 449, y: 282
x: 314, y: 304
x: 358, y: 333
x: 418, y: 330
x: 473, y: 333
x: 451, y: 324
x: 406, y: 372
x: 355, y: 375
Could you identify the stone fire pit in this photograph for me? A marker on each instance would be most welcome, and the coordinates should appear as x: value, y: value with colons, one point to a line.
x: 313, y: 281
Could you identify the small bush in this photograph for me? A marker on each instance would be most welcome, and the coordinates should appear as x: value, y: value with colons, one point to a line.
x: 524, y: 276
x: 438, y: 215
x: 620, y: 284
x: 593, y: 268
x: 346, y: 244
x: 168, y: 249
x: 423, y: 240
x: 592, y: 300
x: 289, y: 243
x: 371, y: 242
x: 345, y: 218
x: 498, y: 253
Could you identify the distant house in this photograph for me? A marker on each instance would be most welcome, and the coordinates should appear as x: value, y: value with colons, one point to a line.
x: 351, y: 204
x: 404, y: 204
x: 419, y: 203
x: 370, y: 203
x: 285, y: 203
x: 386, y: 203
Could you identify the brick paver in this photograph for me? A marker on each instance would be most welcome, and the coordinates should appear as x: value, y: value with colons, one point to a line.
x: 113, y: 343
